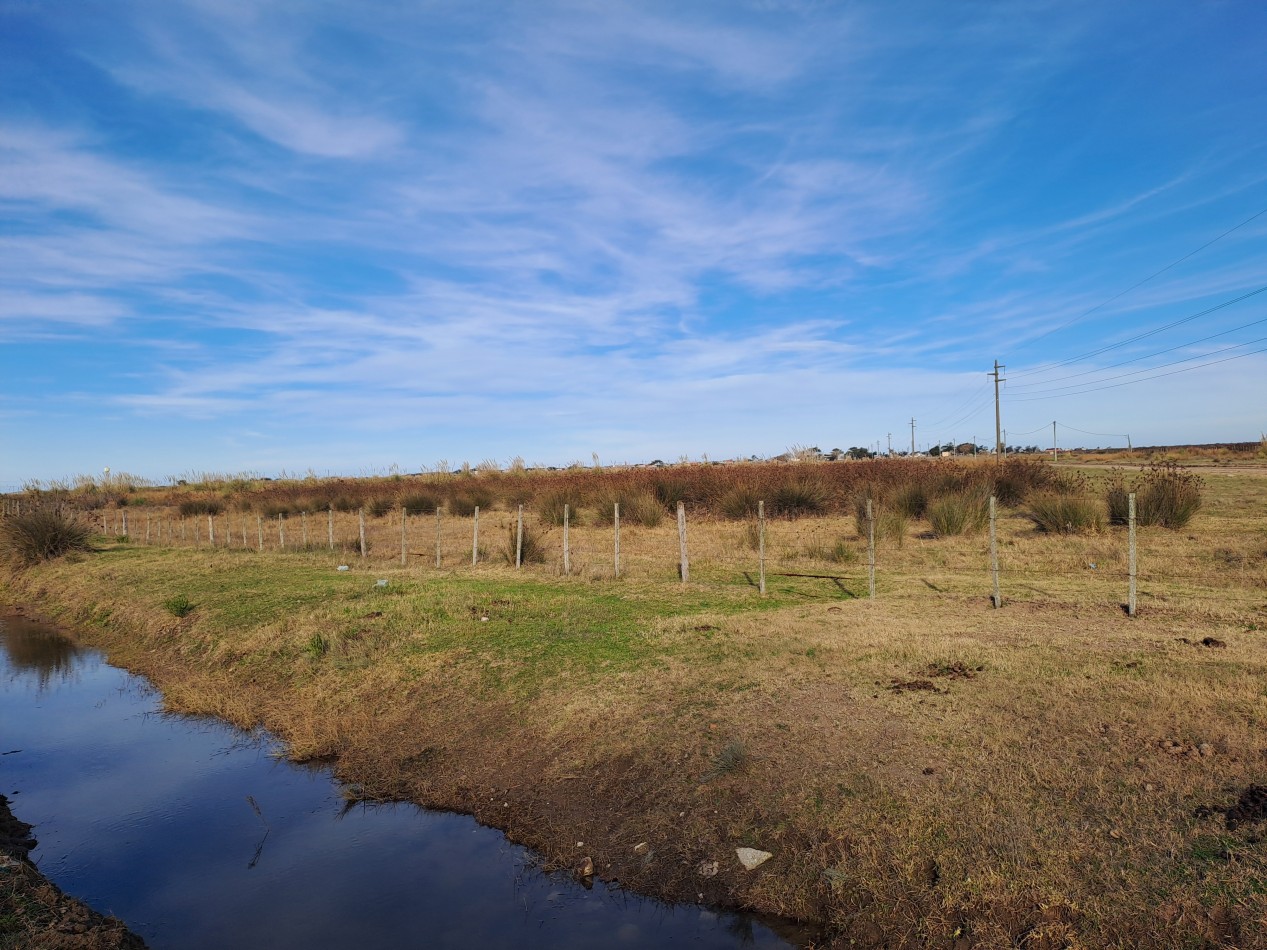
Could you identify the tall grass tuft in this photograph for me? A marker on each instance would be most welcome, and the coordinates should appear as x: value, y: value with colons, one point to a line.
x: 636, y: 507
x: 962, y: 512
x: 420, y: 503
x: 910, y: 500
x: 534, y: 545
x: 739, y: 503
x: 41, y: 535
x: 801, y: 496
x: 200, y: 506
x: 1063, y: 513
x: 551, y: 502
x: 1165, y: 495
x: 464, y: 503
x: 380, y: 506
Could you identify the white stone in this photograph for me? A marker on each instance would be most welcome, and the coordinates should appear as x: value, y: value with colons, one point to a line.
x: 751, y: 858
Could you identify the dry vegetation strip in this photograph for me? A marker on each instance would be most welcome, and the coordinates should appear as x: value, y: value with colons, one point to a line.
x: 926, y: 770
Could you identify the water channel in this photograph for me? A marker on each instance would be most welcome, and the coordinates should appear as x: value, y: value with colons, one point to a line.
x: 200, y: 836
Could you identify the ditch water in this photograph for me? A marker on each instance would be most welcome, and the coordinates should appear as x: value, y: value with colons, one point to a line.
x: 198, y: 835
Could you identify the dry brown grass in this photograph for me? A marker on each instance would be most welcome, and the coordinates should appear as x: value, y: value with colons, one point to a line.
x: 925, y: 768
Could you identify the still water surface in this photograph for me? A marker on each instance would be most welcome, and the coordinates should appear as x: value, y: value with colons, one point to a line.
x: 200, y: 836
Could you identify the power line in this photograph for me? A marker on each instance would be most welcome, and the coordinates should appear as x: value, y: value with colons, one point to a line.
x: 1148, y: 333
x: 1202, y: 356
x: 1176, y: 372
x: 1141, y: 283
x: 1150, y: 356
x: 1106, y: 435
x: 975, y: 394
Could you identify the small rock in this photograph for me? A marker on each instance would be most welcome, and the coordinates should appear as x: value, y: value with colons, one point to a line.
x: 751, y: 858
x: 707, y: 868
x: 641, y: 847
x: 1205, y: 749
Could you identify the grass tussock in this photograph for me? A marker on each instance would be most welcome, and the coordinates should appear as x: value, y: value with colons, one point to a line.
x: 962, y: 512
x: 1165, y: 496
x: 41, y: 535
x: 531, y: 550
x: 1061, y: 513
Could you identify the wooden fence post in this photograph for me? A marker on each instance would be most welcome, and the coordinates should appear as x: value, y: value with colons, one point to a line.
x: 362, y: 534
x: 1130, y: 601
x: 125, y: 523
x: 147, y: 529
x: 211, y: 530
x: 437, y: 536
x: 870, y: 550
x: 330, y: 527
x: 684, y: 566
x: 281, y: 530
x: 567, y: 551
x: 519, y: 539
x: 996, y: 597
x: 616, y: 534
x: 259, y: 532
x: 303, y: 521
x: 475, y: 538
x: 403, y: 558
x: 761, y: 547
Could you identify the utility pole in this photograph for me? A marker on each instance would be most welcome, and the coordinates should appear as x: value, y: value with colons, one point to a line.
x: 891, y: 442
x: 912, y: 435
x: 998, y: 419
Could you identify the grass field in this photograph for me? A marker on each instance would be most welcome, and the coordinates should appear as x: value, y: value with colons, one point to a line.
x: 925, y: 769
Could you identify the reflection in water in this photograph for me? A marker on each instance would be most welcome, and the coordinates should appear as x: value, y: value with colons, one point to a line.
x: 198, y: 836
x: 32, y: 647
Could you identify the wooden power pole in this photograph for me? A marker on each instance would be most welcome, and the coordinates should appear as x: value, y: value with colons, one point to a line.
x: 998, y: 418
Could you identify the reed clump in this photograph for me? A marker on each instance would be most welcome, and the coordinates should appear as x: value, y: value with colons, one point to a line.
x: 41, y: 535
x: 1165, y: 496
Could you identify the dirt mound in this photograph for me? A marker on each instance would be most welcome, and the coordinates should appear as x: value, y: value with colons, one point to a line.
x: 1251, y: 806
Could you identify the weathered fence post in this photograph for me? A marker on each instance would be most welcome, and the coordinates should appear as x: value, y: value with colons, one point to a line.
x: 684, y: 566
x: 403, y: 556
x: 125, y: 523
x: 996, y: 597
x: 870, y: 550
x: 519, y: 539
x: 362, y: 513
x: 567, y: 551
x: 281, y: 530
x: 330, y: 527
x: 437, y: 535
x: 1130, y: 601
x: 259, y: 532
x: 475, y: 538
x: 303, y: 521
x: 244, y: 526
x: 761, y: 547
x: 147, y: 529
x: 616, y: 534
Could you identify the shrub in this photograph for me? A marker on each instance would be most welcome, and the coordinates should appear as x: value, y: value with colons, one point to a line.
x: 534, y: 548
x: 964, y: 512
x: 343, y: 503
x: 41, y: 535
x: 1165, y: 495
x: 420, y: 503
x: 1062, y: 513
x: 179, y: 606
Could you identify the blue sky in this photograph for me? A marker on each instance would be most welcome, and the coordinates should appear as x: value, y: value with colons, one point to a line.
x: 269, y: 236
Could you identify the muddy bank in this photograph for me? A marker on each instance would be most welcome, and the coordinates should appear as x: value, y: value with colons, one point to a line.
x: 35, y: 913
